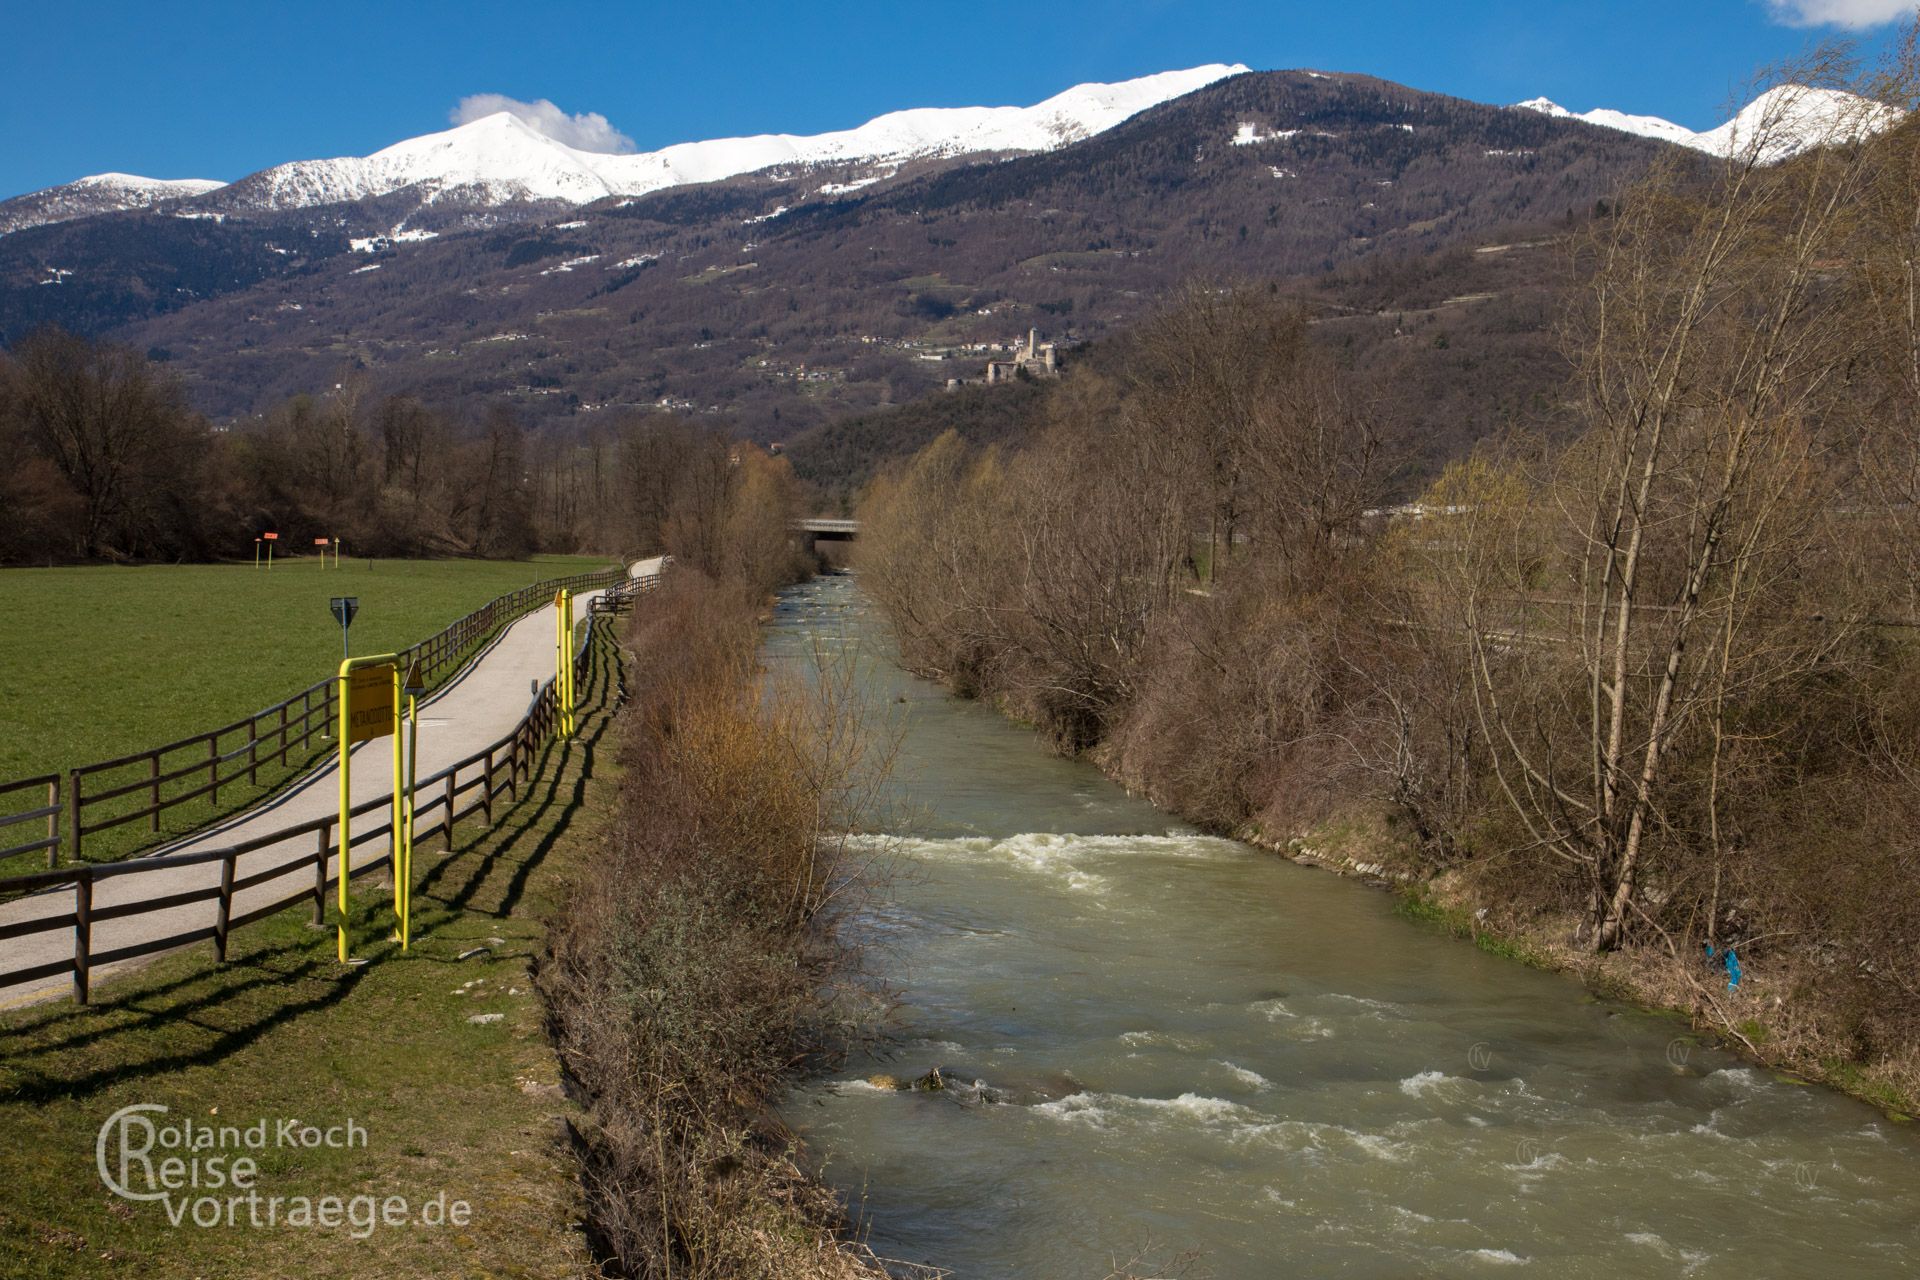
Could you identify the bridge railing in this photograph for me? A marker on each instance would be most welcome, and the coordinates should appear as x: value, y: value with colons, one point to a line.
x: 89, y: 799
x: 454, y: 794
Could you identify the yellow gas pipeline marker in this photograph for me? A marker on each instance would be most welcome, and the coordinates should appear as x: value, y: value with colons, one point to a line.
x: 369, y: 695
x: 563, y: 659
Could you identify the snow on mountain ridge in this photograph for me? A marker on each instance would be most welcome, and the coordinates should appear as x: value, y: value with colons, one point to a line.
x: 499, y: 157
x: 160, y: 187
x: 1645, y: 126
x: 1781, y: 123
x: 96, y: 194
x: 1788, y: 119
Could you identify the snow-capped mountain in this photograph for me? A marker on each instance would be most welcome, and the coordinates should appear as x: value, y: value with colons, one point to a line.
x: 500, y: 159
x: 101, y: 193
x: 1779, y: 124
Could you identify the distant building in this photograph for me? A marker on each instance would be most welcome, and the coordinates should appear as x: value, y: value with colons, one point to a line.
x: 1036, y: 358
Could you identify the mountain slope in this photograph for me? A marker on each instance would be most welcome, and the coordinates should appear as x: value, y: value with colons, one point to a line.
x: 115, y: 267
x: 754, y: 298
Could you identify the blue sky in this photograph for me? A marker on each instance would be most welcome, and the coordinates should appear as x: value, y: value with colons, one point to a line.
x: 217, y: 90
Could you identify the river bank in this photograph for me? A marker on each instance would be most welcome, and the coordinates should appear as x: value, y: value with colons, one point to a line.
x: 1757, y: 1019
x: 694, y: 962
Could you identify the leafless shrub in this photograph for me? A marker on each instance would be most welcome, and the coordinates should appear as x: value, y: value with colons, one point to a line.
x: 685, y: 979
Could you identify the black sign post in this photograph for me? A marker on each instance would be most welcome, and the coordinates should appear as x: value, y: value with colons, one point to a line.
x: 344, y: 607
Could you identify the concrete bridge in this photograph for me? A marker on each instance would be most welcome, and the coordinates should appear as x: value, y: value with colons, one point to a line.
x: 814, y: 530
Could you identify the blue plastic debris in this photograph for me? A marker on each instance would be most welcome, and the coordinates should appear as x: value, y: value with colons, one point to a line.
x: 1731, y: 960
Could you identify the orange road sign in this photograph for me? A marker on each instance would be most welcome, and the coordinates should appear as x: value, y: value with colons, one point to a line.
x: 370, y: 709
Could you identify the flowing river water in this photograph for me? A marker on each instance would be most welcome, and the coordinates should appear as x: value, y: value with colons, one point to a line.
x: 1184, y: 1043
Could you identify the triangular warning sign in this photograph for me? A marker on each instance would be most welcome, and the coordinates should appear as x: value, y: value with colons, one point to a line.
x: 416, y: 678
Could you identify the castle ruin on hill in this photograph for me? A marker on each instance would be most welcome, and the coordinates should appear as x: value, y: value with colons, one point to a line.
x: 1033, y: 356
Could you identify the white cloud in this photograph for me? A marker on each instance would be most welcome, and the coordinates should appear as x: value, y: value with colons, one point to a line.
x: 588, y: 131
x: 1839, y: 13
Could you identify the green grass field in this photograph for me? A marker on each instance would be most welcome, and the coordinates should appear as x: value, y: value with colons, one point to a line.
x: 99, y: 662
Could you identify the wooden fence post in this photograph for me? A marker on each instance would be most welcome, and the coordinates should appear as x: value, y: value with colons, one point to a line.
x: 449, y: 804
x: 486, y: 789
x: 253, y: 752
x: 153, y: 796
x: 283, y: 735
x: 213, y: 769
x: 73, y: 813
x: 320, y: 878
x: 82, y: 935
x: 225, y: 913
x: 53, y: 822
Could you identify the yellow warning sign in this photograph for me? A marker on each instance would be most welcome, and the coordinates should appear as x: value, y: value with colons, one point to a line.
x: 370, y: 702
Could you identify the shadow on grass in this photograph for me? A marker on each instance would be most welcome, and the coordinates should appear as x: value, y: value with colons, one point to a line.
x: 183, y: 1011
x: 144, y: 1035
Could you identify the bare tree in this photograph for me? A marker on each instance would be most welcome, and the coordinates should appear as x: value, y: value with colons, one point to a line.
x: 1710, y: 348
x: 1210, y: 377
x: 117, y: 432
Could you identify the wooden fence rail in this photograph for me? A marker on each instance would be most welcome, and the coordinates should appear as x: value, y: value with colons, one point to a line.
x: 49, y: 785
x: 92, y: 798
x: 442, y: 799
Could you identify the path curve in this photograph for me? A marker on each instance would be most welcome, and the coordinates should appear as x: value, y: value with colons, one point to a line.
x: 478, y: 707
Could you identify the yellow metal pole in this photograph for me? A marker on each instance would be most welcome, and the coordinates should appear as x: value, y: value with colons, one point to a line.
x: 397, y: 838
x: 269, y: 557
x: 346, y: 803
x: 413, y: 774
x: 566, y: 662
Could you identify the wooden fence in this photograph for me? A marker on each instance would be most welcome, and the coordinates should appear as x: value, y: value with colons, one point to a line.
x: 455, y: 793
x: 93, y: 798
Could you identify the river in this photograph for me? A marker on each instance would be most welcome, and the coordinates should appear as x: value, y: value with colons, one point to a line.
x: 1185, y: 1044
